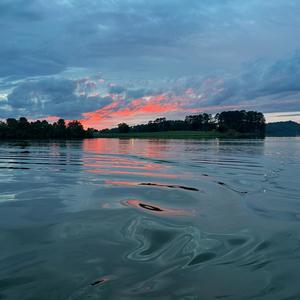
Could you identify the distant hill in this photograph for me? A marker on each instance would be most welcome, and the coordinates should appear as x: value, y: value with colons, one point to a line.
x: 288, y: 128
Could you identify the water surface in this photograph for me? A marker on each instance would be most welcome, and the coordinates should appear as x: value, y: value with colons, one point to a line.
x: 150, y: 219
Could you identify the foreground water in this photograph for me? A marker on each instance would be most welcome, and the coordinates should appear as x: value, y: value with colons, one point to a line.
x: 150, y: 219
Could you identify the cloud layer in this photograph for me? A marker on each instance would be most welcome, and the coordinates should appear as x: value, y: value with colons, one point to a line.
x: 52, y: 97
x: 193, y: 55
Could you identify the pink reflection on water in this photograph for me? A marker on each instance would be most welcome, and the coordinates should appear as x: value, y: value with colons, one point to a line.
x: 123, y: 158
x: 142, y: 147
x: 149, y: 207
x: 126, y: 183
x: 123, y: 165
x: 148, y: 174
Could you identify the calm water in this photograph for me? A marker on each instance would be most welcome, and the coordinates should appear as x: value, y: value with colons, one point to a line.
x: 150, y: 219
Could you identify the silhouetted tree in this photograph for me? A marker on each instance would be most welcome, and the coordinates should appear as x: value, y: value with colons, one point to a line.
x: 60, y: 128
x: 75, y: 129
x: 203, y: 122
x: 23, y: 129
x: 90, y: 132
x: 123, y: 128
x: 3, y: 129
x: 239, y: 121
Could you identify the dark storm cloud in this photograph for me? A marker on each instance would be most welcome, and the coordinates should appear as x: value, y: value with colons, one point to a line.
x: 50, y: 97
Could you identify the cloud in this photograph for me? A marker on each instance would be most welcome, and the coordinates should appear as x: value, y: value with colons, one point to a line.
x: 116, y: 89
x: 51, y: 97
x: 142, y: 109
x: 153, y: 38
x: 200, y: 55
x: 289, y: 115
x: 260, y: 86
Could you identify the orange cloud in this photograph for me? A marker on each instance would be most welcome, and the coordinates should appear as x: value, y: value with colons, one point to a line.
x: 145, y: 108
x: 114, y: 113
x: 140, y: 110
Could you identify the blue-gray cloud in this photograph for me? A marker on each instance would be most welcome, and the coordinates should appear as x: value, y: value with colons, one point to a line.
x: 184, y: 40
x: 50, y: 97
x: 268, y: 87
x: 161, y: 37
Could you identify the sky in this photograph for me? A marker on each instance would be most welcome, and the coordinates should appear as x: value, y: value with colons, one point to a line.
x: 109, y: 61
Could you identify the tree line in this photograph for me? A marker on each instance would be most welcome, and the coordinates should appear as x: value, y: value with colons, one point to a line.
x: 23, y: 129
x: 240, y: 121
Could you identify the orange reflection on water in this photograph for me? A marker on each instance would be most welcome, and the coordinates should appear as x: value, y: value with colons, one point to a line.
x: 157, y: 209
x: 99, y: 145
x: 145, y: 147
x: 123, y: 158
x: 156, y: 148
x: 148, y: 174
x: 121, y: 165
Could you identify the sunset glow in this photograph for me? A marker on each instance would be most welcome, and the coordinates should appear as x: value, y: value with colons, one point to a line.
x: 135, y: 61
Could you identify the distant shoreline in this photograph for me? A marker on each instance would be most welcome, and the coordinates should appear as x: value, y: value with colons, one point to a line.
x: 178, y: 135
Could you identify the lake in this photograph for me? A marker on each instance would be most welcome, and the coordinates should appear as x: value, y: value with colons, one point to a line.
x: 150, y: 219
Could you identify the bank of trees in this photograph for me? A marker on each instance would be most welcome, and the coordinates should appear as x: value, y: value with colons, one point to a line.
x: 251, y: 122
x: 23, y: 129
x: 240, y: 121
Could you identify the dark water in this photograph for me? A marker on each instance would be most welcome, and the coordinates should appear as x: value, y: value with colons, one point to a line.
x: 150, y: 219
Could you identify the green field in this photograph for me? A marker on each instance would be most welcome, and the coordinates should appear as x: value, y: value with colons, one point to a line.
x: 176, y: 135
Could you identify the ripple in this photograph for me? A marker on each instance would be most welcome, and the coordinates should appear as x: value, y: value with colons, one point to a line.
x: 263, y: 246
x: 175, y: 220
x: 237, y: 241
x: 155, y: 239
x: 149, y: 207
x: 229, y: 187
x: 170, y: 186
x: 102, y: 281
x: 146, y: 174
x: 14, y: 282
x: 203, y: 257
x: 14, y: 168
x: 151, y: 184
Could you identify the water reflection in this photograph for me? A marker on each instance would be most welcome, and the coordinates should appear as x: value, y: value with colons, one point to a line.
x: 159, y: 185
x: 156, y: 219
x: 157, y: 209
x: 103, y: 280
